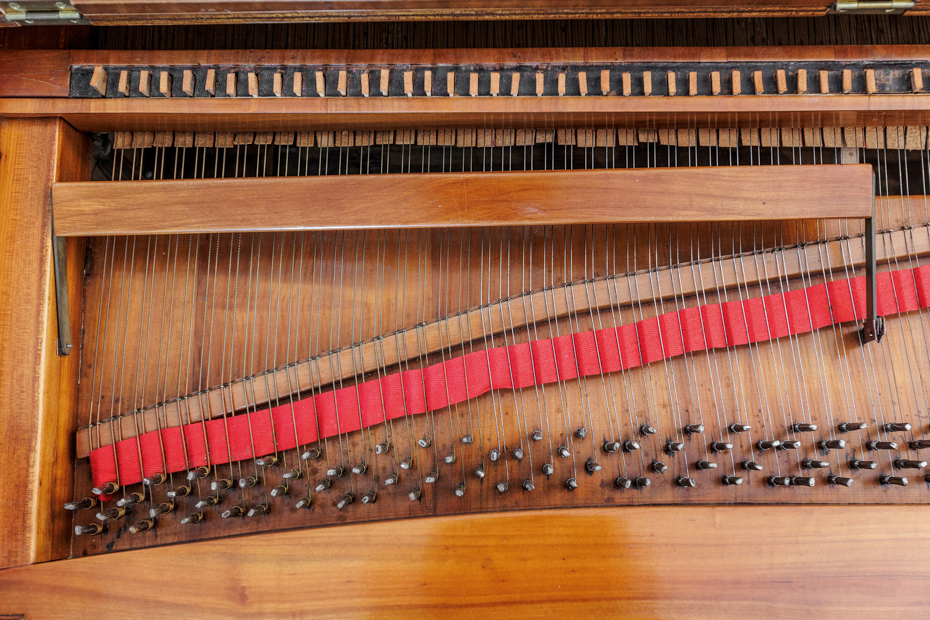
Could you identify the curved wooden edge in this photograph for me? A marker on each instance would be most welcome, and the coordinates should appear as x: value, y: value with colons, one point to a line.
x: 686, y: 562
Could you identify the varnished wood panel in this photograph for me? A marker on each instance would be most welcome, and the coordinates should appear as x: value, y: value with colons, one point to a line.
x: 35, y: 73
x: 697, y: 562
x: 468, y: 199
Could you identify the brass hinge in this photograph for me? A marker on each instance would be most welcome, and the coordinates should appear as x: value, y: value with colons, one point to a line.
x: 872, y: 7
x: 41, y: 13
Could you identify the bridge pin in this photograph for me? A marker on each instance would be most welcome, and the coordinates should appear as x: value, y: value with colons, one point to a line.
x: 197, y: 472
x: 360, y: 469
x: 267, y: 461
x: 840, y: 481
x: 623, y: 483
x: 153, y: 480
x: 802, y: 481
x: 494, y: 455
x: 642, y: 482
x: 630, y: 446
x: 547, y: 469
x: 424, y: 442
x: 467, y: 439
x: 705, y: 465
x: 518, y: 454
x: 369, y: 498
x: 645, y: 429
x: 248, y: 482
x: 257, y: 511
x: 659, y: 467
x: 592, y: 466
x: 347, y: 499
x: 897, y: 427
x: 194, y: 517
x: 766, y: 444
x: 460, y: 490
x: 390, y: 480
x: 849, y: 427
x: 449, y: 459
x: 161, y: 509
x: 720, y: 446
x: 581, y: 432
x: 324, y: 484
x: 303, y: 502
x: 739, y: 428
x: 81, y: 504
x: 564, y: 452
x: 336, y: 471
x: 279, y: 491
x: 857, y: 464
x: 779, y: 481
x: 732, y: 480
x: 431, y: 477
x: 414, y: 495
x: 407, y: 463
x: 502, y: 487
x: 674, y: 446
x: 694, y: 429
x: 789, y: 444
x: 479, y: 471
x: 221, y: 484
x: 382, y: 448
x: 909, y: 464
x: 611, y: 446
x: 142, y: 526
x: 537, y: 435
x: 571, y: 484
x: 895, y: 480
x: 235, y: 511
x: 812, y: 464
x: 831, y: 444
x: 131, y: 500
x: 91, y: 529
x: 803, y: 427
x: 105, y: 489
x: 881, y: 445
x: 751, y: 466
x: 687, y: 483
x: 920, y: 444
x: 113, y: 513
x: 528, y: 485
x: 314, y: 453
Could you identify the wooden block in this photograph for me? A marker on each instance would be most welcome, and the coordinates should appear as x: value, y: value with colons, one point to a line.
x: 298, y: 87
x: 605, y: 137
x: 627, y: 137
x: 98, y: 80
x: 824, y: 83
x: 264, y: 137
x: 283, y: 138
x: 408, y: 83
x: 605, y: 81
x: 445, y: 137
x: 243, y: 138
x: 341, y: 83
x: 252, y: 83
x: 231, y: 84
x: 728, y: 138
x: 495, y: 83
x: 203, y: 139
x: 812, y: 136
x: 854, y: 137
x: 687, y: 137
x: 692, y: 83
x: 582, y: 83
x: 473, y: 84
x: 304, y: 138
x: 715, y: 82
x: 364, y: 81
x: 209, y: 84
x: 781, y: 82
x: 672, y: 88
x: 540, y: 83
x: 802, y: 81
x: 122, y: 140
x: 915, y: 138
x: 894, y: 137
x: 847, y: 80
x: 343, y: 138
x: 768, y: 137
x: 145, y: 82
x: 484, y: 138
x: 426, y: 137
x: 320, y: 83
x: 790, y: 136
x: 325, y: 139
x: 364, y: 138
x: 514, y: 84
x: 874, y: 137
x: 544, y: 136
x: 385, y: 82
x: 224, y: 139
x: 749, y: 136
x: 187, y: 82
x: 123, y: 86
x: 143, y: 139
x: 525, y: 137
x: 917, y: 80
x: 735, y: 84
x: 561, y: 84
x: 163, y: 139
x: 757, y: 82
x: 183, y: 139
x: 707, y: 137
x: 465, y: 137
x: 668, y: 137
x: 832, y: 137
x: 565, y: 137
x: 450, y: 83
x: 585, y: 138
x: 647, y: 135
x: 870, y: 86
x: 504, y: 137
x: 647, y: 83
x: 277, y: 84
x: 428, y: 82
x: 626, y: 84
x: 384, y: 137
x: 164, y: 84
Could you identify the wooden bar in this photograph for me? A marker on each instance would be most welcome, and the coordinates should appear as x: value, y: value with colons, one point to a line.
x: 465, y: 199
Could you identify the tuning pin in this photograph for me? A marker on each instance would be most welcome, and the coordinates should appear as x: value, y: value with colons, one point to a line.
x: 831, y: 444
x: 162, y: 508
x: 518, y: 454
x: 460, y: 490
x: 294, y: 474
x: 849, y: 427
x: 687, y: 483
x: 347, y: 499
x: 896, y: 480
x: 181, y: 491
x: 789, y: 444
x: 897, y: 427
x: 659, y: 467
x: 564, y: 452
x: 732, y: 480
x: 91, y: 529
x: 414, y: 495
x: 502, y: 487
x: 324, y: 484
x: 811, y: 464
x: 881, y: 445
x: 494, y: 455
x: 267, y: 461
x: 304, y: 502
x: 390, y: 480
x: 279, y: 491
x: 336, y: 471
x: 235, y: 511
x: 153, y: 480
x: 857, y: 464
x: 369, y: 498
x: 449, y: 459
x: 720, y: 446
x: 592, y: 466
x: 197, y: 472
x: 548, y: 469
x: 359, y: 469
x: 674, y: 446
x: 248, y: 482
x: 81, y: 504
x: 382, y: 448
x: 108, y: 488
x: 611, y: 446
x: 630, y: 446
x: 113, y: 513
x: 803, y: 427
x: 705, y: 465
x: 909, y: 464
x: 751, y: 466
x: 694, y: 429
x: 479, y: 471
x: 257, y: 511
x: 194, y: 517
x: 571, y: 484
x: 766, y: 444
x: 623, y: 483
x: 209, y: 500
x: 142, y: 526
x: 920, y: 444
x: 779, y: 481
x: 466, y: 439
x: 840, y: 481
x: 528, y: 485
x: 424, y: 441
x: 802, y: 481
x: 739, y: 428
x: 407, y: 463
x: 431, y: 477
x: 645, y: 429
x: 642, y: 482
x: 537, y: 435
x: 581, y: 432
x: 314, y: 453
x: 221, y: 485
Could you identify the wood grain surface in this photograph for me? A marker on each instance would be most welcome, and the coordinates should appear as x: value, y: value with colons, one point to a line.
x: 638, y: 562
